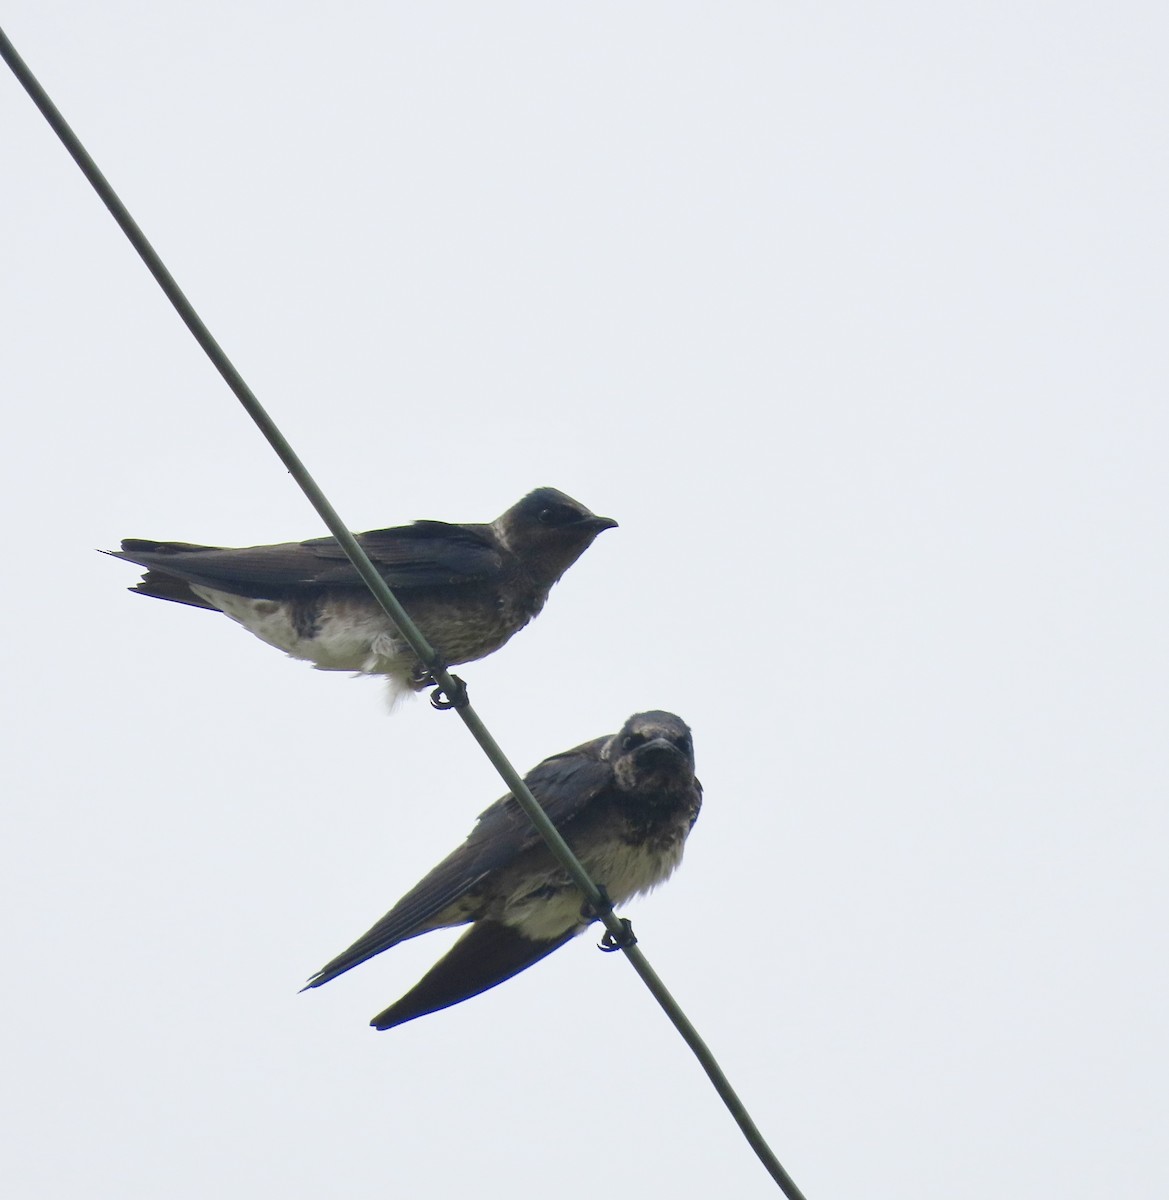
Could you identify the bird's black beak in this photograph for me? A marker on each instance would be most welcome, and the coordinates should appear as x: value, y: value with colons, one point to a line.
x: 598, y: 524
x: 657, y: 752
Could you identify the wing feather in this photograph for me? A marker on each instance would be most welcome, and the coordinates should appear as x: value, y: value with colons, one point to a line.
x: 486, y: 955
x: 563, y: 785
x: 428, y: 554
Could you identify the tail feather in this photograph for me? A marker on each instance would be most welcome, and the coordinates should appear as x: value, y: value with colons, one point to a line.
x: 155, y: 582
x: 167, y: 587
x: 133, y: 546
x: 486, y: 955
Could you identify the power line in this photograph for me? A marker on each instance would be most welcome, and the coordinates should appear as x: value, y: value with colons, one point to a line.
x: 450, y: 687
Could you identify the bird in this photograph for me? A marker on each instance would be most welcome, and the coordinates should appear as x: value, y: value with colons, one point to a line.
x: 625, y: 803
x: 469, y: 588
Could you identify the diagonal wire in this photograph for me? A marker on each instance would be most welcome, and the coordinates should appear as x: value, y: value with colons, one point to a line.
x: 389, y: 602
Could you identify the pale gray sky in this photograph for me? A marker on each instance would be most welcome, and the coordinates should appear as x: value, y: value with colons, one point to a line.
x: 854, y: 317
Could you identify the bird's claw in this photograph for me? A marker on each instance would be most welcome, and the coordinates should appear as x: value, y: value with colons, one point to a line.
x: 618, y: 941
x: 423, y: 677
x: 603, y: 908
x: 443, y: 699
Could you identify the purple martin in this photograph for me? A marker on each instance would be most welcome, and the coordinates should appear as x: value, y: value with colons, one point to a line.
x: 468, y: 587
x: 624, y: 803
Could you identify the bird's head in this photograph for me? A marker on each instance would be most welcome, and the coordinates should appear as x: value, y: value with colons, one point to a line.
x: 653, y: 751
x: 549, y: 531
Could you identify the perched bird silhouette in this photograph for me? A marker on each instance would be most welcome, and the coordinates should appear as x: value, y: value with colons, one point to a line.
x: 469, y: 588
x: 624, y: 803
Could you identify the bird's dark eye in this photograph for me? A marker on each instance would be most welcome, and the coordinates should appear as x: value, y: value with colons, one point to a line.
x: 683, y: 743
x: 630, y: 740
x: 557, y: 514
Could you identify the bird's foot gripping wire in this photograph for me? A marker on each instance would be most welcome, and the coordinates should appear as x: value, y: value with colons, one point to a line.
x: 611, y: 941
x: 441, y: 698
x: 456, y: 697
x: 618, y: 941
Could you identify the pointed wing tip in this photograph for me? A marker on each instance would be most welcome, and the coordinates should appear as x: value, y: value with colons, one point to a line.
x: 324, y: 975
x: 486, y: 955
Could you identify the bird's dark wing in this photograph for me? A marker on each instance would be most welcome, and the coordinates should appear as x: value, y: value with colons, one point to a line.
x: 487, y: 954
x: 563, y: 784
x: 427, y: 554
x: 453, y: 877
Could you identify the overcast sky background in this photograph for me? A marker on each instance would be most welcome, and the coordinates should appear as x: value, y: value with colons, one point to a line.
x: 854, y: 317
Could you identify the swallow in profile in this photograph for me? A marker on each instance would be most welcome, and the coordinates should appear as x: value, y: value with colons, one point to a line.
x: 469, y: 588
x: 624, y: 803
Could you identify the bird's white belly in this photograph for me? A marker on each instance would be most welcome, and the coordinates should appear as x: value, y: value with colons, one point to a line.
x: 624, y: 871
x: 346, y: 637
